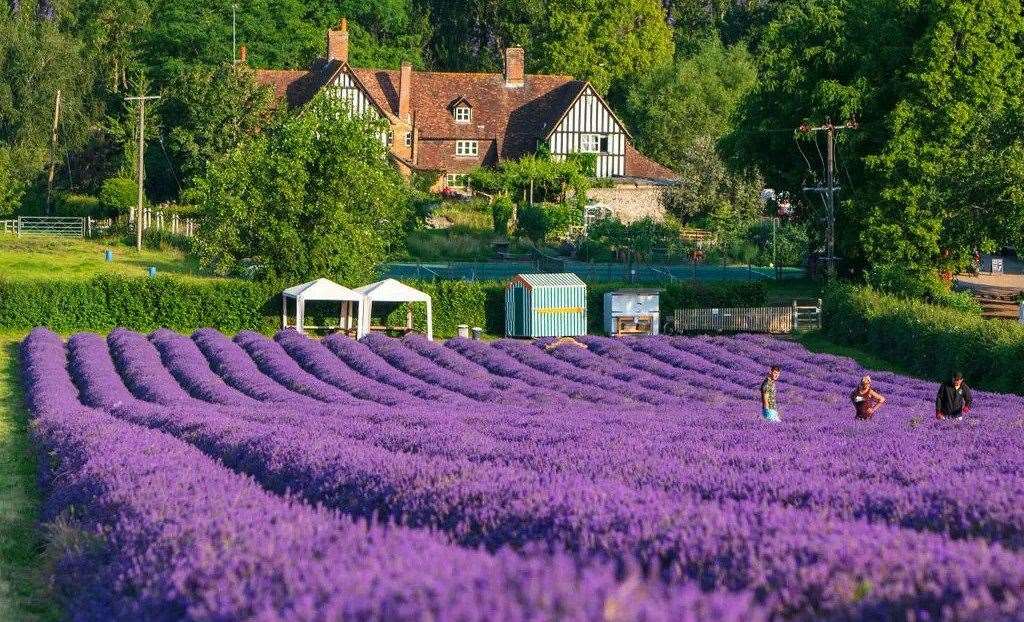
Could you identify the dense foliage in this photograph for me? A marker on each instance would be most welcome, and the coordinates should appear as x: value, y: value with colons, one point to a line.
x: 934, y: 166
x: 513, y: 481
x: 313, y: 195
x: 714, y: 90
x: 929, y: 340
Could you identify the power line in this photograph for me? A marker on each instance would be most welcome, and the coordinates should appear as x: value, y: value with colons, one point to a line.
x: 828, y: 191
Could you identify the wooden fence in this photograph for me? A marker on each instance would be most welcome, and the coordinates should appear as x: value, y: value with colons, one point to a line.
x: 776, y: 320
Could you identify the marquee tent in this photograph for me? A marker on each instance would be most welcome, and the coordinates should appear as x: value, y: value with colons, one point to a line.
x: 328, y: 290
x: 390, y: 290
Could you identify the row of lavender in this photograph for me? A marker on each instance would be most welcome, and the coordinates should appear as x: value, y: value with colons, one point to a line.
x: 154, y: 529
x: 507, y: 475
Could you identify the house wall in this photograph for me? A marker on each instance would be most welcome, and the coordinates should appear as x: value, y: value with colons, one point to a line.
x: 631, y: 202
x: 589, y: 115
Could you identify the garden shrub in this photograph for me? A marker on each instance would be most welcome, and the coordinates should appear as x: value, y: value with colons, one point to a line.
x: 118, y: 196
x: 920, y: 284
x: 929, y: 340
x: 81, y: 206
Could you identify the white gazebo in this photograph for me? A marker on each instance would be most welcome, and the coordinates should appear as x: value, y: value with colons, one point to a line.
x: 325, y: 289
x: 390, y: 290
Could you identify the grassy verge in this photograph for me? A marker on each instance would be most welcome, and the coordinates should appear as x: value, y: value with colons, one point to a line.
x: 31, y: 257
x: 818, y: 342
x: 23, y: 590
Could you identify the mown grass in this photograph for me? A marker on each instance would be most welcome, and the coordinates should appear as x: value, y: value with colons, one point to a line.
x: 34, y: 257
x: 24, y: 593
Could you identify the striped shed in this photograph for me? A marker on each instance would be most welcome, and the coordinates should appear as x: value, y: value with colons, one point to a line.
x: 546, y: 305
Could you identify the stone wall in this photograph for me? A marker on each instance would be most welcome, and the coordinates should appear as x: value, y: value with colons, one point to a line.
x: 631, y: 202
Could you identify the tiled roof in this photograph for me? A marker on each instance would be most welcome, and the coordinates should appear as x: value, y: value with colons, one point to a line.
x: 517, y: 117
x: 507, y: 122
x: 640, y: 166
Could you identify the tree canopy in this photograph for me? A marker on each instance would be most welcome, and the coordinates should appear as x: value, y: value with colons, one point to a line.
x: 313, y: 195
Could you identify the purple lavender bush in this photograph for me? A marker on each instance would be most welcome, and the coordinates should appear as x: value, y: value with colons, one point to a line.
x: 631, y: 480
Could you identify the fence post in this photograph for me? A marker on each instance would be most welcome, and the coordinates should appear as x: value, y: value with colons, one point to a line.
x: 795, y: 316
x: 88, y: 226
x: 19, y: 226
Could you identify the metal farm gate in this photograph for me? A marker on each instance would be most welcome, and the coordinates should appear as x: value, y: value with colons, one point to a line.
x: 777, y: 320
x: 49, y: 225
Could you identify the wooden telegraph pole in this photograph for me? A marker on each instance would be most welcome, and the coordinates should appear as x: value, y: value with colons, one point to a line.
x: 829, y: 189
x: 142, y: 99
x: 53, y: 154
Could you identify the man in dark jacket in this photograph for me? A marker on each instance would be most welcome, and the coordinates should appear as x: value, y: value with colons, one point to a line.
x: 954, y: 398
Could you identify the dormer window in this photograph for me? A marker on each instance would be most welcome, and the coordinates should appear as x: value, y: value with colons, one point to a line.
x: 463, y: 114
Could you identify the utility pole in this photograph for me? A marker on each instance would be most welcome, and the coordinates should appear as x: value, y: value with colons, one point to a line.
x: 142, y: 99
x: 53, y: 154
x: 234, y: 33
x: 829, y: 189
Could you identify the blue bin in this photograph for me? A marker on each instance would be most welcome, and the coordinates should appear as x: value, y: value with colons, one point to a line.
x: 108, y: 255
x: 152, y: 271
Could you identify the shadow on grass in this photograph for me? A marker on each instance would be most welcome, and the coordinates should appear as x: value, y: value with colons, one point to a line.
x: 24, y: 594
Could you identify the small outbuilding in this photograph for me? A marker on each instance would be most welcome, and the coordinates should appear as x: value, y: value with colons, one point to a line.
x: 546, y: 305
x: 351, y: 302
x: 632, y: 312
x: 393, y: 291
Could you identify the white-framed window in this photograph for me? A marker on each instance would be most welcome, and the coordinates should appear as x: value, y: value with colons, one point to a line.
x: 594, y: 143
x: 456, y: 180
x: 466, y: 148
x: 463, y: 114
x: 408, y: 139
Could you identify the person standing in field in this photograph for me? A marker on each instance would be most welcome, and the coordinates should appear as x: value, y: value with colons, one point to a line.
x: 769, y: 405
x: 954, y: 399
x: 866, y: 400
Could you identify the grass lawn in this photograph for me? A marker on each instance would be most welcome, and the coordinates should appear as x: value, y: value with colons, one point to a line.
x: 34, y: 256
x: 23, y: 589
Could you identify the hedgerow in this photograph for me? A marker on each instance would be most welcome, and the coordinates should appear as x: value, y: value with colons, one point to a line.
x: 928, y: 340
x: 104, y: 302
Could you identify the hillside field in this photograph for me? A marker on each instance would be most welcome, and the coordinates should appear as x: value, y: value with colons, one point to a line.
x: 632, y: 479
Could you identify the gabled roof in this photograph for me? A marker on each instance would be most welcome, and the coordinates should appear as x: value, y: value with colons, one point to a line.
x: 322, y: 289
x: 391, y: 290
x: 586, y: 87
x: 518, y: 117
x: 558, y: 279
x: 460, y: 100
x: 507, y: 122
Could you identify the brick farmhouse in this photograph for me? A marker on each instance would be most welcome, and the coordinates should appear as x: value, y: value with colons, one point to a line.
x: 448, y: 123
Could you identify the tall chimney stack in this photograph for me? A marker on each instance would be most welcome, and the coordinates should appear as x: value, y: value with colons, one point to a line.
x: 515, y: 67
x: 337, y: 42
x: 404, y: 85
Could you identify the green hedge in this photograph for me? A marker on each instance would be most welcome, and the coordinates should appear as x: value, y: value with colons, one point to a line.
x: 105, y: 302
x: 139, y: 303
x: 928, y: 340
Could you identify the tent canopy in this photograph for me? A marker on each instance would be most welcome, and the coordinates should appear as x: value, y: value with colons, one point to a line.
x: 390, y: 290
x: 323, y: 289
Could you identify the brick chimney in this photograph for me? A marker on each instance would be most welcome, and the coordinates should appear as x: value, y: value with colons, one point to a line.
x: 337, y: 42
x: 404, y: 84
x: 243, y: 54
x: 515, y: 67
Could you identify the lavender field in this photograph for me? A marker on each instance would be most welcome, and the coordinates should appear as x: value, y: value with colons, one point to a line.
x: 212, y: 478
